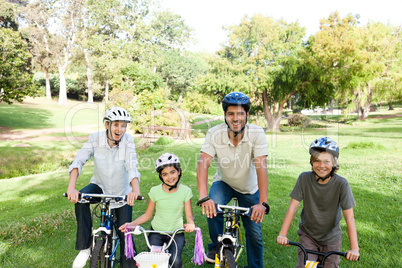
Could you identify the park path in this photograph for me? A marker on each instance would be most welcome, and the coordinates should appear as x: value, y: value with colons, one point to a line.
x: 41, y: 134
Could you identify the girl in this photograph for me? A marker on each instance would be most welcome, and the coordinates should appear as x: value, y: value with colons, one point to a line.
x: 168, y: 199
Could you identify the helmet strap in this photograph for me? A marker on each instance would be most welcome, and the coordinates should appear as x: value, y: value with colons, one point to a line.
x: 115, y: 142
x: 329, y: 175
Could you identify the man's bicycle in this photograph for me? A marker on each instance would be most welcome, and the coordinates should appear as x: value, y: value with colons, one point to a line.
x: 230, y: 243
x: 105, y: 239
x: 324, y: 256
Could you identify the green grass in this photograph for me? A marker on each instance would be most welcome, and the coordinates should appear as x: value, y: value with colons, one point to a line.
x: 37, y: 224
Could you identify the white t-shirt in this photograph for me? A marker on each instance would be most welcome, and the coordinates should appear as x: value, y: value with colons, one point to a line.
x: 235, y: 165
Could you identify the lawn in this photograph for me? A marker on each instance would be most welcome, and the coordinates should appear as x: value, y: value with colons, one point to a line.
x: 37, y: 225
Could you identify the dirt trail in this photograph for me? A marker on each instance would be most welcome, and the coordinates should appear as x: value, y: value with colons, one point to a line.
x: 6, y: 134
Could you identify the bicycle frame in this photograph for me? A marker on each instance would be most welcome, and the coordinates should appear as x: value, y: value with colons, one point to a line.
x: 107, y: 230
x: 316, y: 264
x: 231, y: 238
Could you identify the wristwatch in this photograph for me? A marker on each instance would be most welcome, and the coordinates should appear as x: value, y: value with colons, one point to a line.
x: 266, y: 208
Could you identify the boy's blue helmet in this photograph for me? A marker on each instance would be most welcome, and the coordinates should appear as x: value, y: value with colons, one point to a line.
x: 325, y: 144
x: 236, y: 99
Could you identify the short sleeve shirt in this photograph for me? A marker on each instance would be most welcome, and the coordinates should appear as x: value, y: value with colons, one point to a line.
x: 322, y: 206
x: 235, y: 164
x: 169, y: 207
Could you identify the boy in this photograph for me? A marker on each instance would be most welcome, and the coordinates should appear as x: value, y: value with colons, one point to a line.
x: 325, y: 195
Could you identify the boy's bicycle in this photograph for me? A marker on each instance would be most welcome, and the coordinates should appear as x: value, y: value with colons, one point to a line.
x: 230, y: 243
x: 105, y: 239
x: 158, y: 256
x: 316, y: 264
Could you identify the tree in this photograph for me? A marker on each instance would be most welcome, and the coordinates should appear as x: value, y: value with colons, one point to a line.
x: 57, y: 25
x: 261, y: 59
x: 15, y: 68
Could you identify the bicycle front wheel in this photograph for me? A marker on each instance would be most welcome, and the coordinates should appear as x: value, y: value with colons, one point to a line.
x: 228, y: 259
x: 98, y: 258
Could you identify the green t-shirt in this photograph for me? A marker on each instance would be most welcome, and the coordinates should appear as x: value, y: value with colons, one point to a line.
x: 169, y: 207
x: 322, y: 206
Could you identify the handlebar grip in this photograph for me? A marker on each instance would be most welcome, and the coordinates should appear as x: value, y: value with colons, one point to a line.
x: 138, y: 198
x: 66, y: 195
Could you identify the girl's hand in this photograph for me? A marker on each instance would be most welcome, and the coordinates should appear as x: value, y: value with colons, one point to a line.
x: 353, y: 255
x: 123, y: 228
x: 189, y: 227
x: 282, y: 240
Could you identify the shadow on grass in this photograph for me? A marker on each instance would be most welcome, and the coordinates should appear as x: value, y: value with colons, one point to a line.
x: 14, y: 116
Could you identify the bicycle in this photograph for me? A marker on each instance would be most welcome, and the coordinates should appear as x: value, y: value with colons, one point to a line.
x: 158, y: 256
x: 316, y: 264
x: 105, y: 239
x: 230, y: 243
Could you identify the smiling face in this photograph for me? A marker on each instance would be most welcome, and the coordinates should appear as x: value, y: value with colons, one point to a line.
x: 116, y: 129
x: 322, y: 164
x: 236, y: 118
x: 170, y: 175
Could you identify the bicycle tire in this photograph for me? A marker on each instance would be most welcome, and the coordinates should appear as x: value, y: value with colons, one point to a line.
x: 98, y: 259
x: 228, y: 259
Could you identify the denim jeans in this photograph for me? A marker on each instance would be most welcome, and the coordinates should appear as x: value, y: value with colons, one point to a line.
x: 157, y: 239
x: 84, y: 224
x: 222, y: 193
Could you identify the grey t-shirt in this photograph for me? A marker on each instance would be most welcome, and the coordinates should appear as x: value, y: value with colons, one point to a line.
x: 322, y: 206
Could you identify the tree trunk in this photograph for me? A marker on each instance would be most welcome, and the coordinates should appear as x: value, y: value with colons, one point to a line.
x: 180, y: 95
x: 266, y: 109
x: 107, y: 88
x: 274, y: 122
x: 63, y: 87
x: 89, y: 77
x: 390, y: 107
x: 48, y: 92
x: 367, y: 105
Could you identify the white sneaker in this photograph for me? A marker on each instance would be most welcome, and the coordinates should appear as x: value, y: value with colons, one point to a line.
x: 82, y: 258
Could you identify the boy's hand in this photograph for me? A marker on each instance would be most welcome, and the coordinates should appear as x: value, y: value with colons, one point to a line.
x: 282, y: 240
x: 189, y: 227
x: 353, y: 255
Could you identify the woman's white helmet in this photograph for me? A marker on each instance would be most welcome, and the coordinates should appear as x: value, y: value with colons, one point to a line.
x: 116, y: 114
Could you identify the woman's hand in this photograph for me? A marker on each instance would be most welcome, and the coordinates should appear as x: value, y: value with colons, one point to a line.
x: 189, y: 227
x: 73, y: 195
x: 131, y: 197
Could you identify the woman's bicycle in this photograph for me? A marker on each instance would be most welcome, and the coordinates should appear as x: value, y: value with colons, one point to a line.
x: 158, y: 256
x: 230, y: 243
x: 105, y: 239
x: 324, y: 256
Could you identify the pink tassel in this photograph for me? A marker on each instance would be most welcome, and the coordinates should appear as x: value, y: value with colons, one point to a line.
x: 199, y: 254
x: 129, y: 247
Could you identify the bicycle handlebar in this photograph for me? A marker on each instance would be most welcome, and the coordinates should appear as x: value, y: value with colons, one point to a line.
x: 87, y: 197
x: 237, y: 210
x: 324, y: 255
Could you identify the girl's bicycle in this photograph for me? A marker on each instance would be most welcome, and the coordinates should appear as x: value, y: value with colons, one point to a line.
x: 324, y: 256
x: 105, y: 239
x: 158, y: 256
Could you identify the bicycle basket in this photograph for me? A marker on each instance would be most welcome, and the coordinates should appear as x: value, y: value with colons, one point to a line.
x: 152, y: 260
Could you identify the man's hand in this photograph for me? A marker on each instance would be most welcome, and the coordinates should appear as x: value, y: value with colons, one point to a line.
x: 131, y: 197
x: 208, y: 208
x: 258, y: 213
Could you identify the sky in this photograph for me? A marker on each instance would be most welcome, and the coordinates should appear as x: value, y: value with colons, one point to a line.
x: 207, y: 17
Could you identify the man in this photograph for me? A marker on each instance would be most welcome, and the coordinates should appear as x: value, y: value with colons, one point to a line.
x: 240, y: 152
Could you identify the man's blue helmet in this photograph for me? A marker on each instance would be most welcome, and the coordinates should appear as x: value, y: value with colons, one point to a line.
x: 236, y: 99
x: 325, y: 144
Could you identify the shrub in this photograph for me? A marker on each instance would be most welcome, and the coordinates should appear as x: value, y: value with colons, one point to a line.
x: 164, y: 141
x: 298, y: 120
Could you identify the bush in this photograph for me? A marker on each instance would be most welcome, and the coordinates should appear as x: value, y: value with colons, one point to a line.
x: 164, y: 141
x: 298, y: 120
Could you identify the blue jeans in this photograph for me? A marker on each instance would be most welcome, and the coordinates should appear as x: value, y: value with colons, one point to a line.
x: 84, y: 224
x: 157, y: 239
x: 222, y: 193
